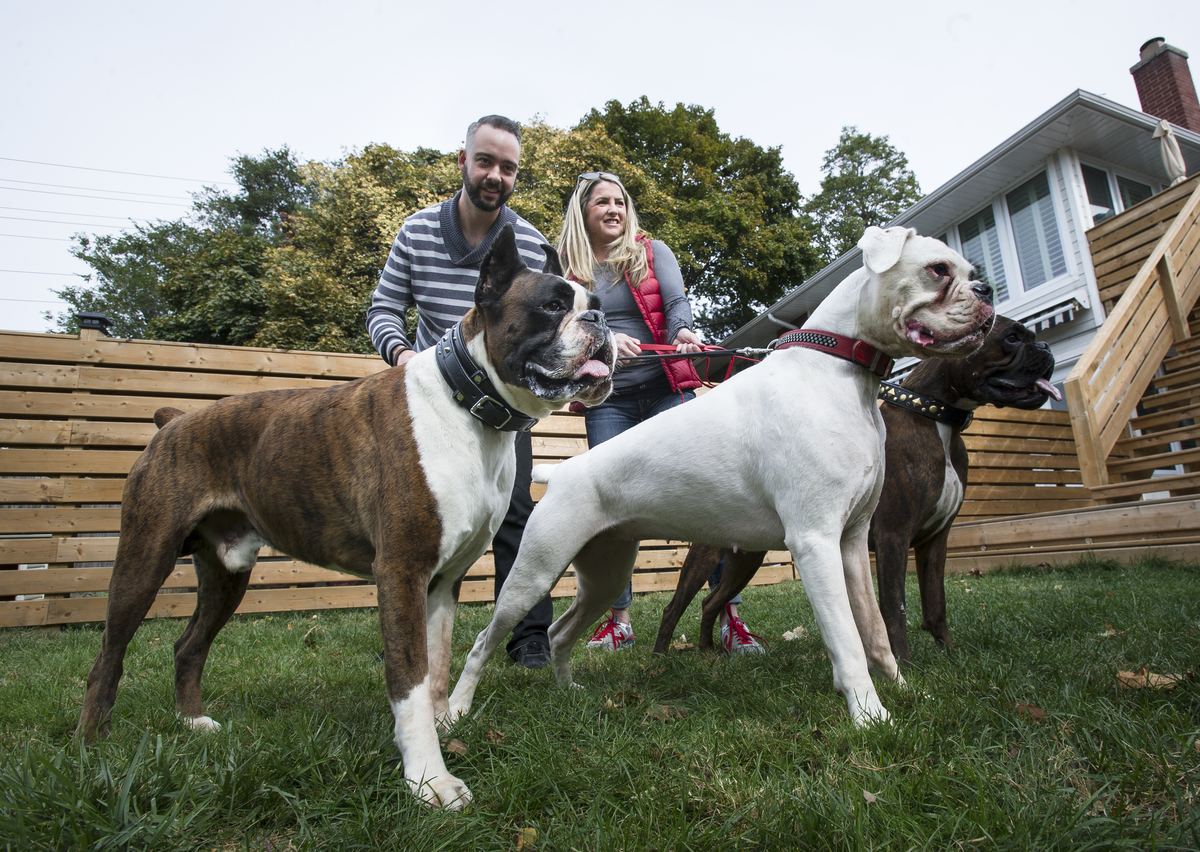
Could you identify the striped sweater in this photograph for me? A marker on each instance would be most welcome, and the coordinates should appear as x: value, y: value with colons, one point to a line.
x: 432, y: 267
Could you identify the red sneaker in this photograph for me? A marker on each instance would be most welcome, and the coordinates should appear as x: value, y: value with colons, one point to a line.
x: 736, y: 639
x: 611, y: 635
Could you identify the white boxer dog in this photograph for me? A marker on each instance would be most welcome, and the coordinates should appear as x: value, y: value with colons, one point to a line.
x: 787, y: 453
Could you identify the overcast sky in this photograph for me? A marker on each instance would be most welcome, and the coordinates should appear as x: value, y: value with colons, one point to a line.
x: 93, y: 95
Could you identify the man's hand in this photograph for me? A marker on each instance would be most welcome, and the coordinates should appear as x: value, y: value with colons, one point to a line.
x: 404, y: 357
x: 687, y: 341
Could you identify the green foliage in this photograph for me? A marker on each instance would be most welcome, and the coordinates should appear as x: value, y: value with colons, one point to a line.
x: 272, y: 189
x: 199, y: 278
x: 867, y: 182
x: 124, y: 284
x: 291, y: 257
x: 318, y: 284
x: 731, y: 208
x: 552, y: 159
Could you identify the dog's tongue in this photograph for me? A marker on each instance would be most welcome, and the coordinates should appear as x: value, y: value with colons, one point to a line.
x: 1046, y: 387
x: 594, y: 368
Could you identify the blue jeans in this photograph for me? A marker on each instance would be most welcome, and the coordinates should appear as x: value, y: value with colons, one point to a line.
x: 615, y: 416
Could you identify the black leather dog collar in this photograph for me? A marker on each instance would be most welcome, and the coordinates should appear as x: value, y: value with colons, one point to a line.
x: 473, y: 390
x: 926, y: 406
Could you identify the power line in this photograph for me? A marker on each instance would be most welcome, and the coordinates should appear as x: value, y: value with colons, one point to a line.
x: 114, y: 171
x: 30, y: 272
x: 56, y: 222
x: 70, y: 213
x: 87, y: 188
x: 29, y: 237
x: 94, y: 197
x: 38, y: 301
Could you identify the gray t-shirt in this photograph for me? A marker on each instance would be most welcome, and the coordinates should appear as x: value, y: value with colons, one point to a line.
x: 622, y: 314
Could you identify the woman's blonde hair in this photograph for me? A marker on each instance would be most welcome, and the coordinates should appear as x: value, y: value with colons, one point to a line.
x: 625, y: 253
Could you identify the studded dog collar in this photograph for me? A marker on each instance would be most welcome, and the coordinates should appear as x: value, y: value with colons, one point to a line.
x: 927, y: 406
x: 858, y: 351
x: 472, y: 388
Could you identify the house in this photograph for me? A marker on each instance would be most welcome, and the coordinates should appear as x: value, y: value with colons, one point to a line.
x: 1021, y: 211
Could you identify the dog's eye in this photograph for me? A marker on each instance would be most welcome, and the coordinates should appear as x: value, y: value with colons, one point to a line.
x: 941, y: 270
x: 554, y: 306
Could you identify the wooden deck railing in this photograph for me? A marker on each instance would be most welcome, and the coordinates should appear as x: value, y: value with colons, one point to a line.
x: 1150, y: 316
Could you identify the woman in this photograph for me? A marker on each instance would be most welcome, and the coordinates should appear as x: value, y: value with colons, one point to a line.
x: 642, y: 295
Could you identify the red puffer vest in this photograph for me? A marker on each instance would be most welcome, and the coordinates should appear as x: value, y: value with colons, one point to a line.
x: 680, y: 372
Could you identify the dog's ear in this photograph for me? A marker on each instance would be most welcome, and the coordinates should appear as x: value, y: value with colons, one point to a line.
x: 881, y: 249
x: 500, y: 266
x: 553, y: 264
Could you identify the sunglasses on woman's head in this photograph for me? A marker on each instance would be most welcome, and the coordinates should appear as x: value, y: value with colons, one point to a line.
x: 598, y: 176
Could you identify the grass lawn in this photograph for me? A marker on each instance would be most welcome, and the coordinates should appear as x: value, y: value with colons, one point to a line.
x: 1022, y: 737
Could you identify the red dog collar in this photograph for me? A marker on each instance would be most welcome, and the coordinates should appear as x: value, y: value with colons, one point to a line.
x: 858, y: 351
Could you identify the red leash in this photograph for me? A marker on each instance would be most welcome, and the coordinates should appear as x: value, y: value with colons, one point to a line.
x: 661, y: 351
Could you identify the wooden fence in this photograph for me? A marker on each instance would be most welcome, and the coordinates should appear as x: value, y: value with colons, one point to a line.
x: 76, y: 411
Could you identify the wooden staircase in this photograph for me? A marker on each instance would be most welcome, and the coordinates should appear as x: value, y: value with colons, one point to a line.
x: 1134, y: 396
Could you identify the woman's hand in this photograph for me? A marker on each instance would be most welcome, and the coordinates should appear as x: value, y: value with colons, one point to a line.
x: 687, y: 341
x: 627, y: 346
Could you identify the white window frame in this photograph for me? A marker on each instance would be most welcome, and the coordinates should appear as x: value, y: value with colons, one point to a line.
x: 1018, y: 296
x: 1113, y: 173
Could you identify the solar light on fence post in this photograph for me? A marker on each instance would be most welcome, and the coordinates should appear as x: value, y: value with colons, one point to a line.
x: 93, y: 322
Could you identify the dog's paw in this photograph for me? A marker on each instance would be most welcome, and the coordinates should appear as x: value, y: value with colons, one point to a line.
x: 200, y: 723
x: 868, y: 712
x: 448, y: 719
x: 445, y: 791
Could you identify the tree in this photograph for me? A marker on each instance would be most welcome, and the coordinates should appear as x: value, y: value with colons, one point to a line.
x: 728, y: 209
x: 124, y: 284
x: 291, y: 257
x: 198, y: 278
x: 318, y: 285
x: 867, y: 182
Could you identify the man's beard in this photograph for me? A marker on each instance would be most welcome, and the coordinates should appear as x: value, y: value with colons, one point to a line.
x: 473, y: 193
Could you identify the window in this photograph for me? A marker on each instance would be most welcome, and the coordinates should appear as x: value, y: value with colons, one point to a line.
x: 1132, y: 192
x: 1109, y: 193
x: 1099, y: 194
x: 1035, y: 232
x: 981, y: 245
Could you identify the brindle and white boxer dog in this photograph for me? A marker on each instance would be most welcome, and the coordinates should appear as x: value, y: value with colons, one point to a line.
x: 926, y: 451
x: 925, y: 478
x: 789, y: 453
x: 391, y: 476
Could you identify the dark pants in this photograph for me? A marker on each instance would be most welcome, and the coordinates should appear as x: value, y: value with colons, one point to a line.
x: 508, y: 541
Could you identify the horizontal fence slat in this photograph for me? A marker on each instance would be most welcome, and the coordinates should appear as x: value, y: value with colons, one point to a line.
x: 61, y: 490
x: 128, y: 381
x: 90, y: 405
x: 75, y: 433
x: 34, y: 462
x: 187, y: 356
x: 1018, y: 445
x: 59, y: 519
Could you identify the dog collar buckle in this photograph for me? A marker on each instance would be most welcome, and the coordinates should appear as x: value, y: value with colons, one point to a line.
x: 473, y: 390
x: 492, y: 412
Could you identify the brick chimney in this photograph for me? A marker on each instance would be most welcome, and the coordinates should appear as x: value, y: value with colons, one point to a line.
x: 1164, y: 84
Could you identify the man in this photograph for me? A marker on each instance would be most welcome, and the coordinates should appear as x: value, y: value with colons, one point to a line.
x: 433, y: 266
